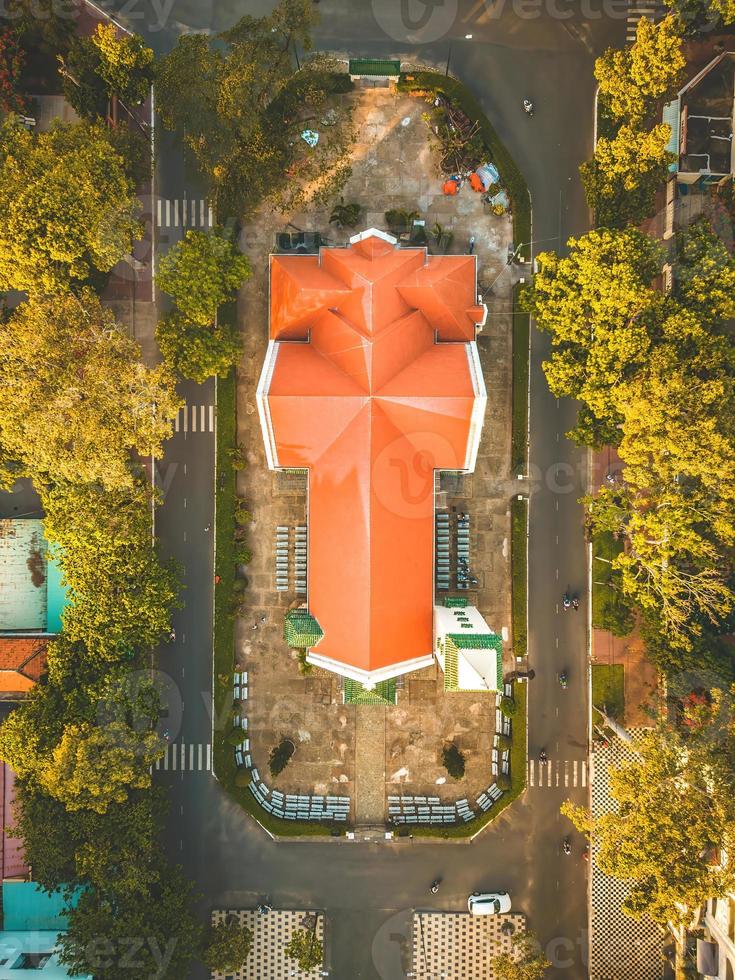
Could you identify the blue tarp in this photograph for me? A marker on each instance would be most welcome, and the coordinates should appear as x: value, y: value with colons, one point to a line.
x: 27, y: 908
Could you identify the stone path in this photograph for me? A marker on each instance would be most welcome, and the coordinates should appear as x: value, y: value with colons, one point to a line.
x: 619, y: 946
x: 369, y: 765
x: 271, y: 935
x: 457, y: 945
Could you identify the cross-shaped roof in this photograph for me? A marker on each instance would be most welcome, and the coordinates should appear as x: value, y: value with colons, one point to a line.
x: 372, y: 382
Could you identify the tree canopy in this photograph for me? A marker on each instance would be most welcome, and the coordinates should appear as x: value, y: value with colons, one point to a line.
x: 228, y: 947
x: 197, y: 352
x: 75, y: 397
x: 525, y: 961
x: 633, y: 78
x: 200, y: 272
x: 673, y: 810
x: 121, y: 595
x: 306, y: 949
x: 621, y: 180
x: 68, y: 206
x: 241, y: 109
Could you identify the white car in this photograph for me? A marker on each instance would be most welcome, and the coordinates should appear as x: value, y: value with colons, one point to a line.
x: 488, y: 903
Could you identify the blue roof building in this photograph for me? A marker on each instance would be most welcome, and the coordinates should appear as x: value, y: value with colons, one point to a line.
x: 32, y: 922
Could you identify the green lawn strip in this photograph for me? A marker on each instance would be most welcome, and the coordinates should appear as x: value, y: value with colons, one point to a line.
x: 608, y: 690
x: 517, y: 779
x: 519, y: 438
x: 224, y: 623
x: 610, y: 608
x: 519, y: 573
x: 511, y: 177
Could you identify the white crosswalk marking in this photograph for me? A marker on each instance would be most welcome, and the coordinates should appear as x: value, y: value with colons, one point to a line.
x: 187, y: 213
x: 186, y: 757
x: 195, y: 418
x: 557, y: 773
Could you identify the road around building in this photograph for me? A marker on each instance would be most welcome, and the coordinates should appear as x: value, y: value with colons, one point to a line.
x: 369, y: 891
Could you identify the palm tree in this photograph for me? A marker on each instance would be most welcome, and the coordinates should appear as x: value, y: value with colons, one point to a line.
x: 345, y: 215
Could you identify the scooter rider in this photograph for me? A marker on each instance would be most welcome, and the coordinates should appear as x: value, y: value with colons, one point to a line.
x: 528, y: 106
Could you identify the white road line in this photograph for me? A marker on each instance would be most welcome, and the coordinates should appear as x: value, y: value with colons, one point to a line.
x: 202, y: 423
x: 531, y: 772
x: 191, y: 755
x: 584, y: 772
x: 209, y: 756
x: 174, y: 760
x: 177, y: 423
x: 185, y: 413
x: 159, y: 202
x: 185, y: 209
x: 574, y: 773
x: 168, y: 213
x: 201, y: 212
x: 210, y: 217
x: 566, y: 772
x: 165, y: 760
x: 176, y: 211
x: 557, y: 777
x: 199, y: 757
x: 211, y: 418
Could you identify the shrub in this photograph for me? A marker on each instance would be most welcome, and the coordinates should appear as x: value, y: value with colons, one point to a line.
x: 305, y: 668
x: 243, y: 556
x: 453, y: 761
x: 399, y: 221
x: 242, y: 514
x: 345, y: 215
x: 508, y: 706
x: 504, y: 742
x: 280, y: 756
x: 236, y: 735
x: 238, y: 458
x: 502, y: 781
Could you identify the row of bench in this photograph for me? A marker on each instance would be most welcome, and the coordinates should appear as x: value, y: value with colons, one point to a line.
x: 490, y: 797
x: 290, y: 806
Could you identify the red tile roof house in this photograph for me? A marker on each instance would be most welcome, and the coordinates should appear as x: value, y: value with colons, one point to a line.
x: 22, y: 661
x: 372, y: 382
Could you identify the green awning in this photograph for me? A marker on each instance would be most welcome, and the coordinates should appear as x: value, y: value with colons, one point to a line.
x: 374, y: 67
x: 384, y: 692
x: 300, y: 630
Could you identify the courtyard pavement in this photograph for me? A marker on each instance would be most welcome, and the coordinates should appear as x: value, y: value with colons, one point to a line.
x: 394, y: 165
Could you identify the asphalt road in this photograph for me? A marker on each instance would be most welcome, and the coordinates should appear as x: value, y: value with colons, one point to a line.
x: 542, y: 51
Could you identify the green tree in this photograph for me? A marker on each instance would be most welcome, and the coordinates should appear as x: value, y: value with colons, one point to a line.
x: 241, y: 110
x: 621, y: 180
x: 306, y: 949
x: 228, y: 947
x: 526, y: 961
x: 12, y: 58
x: 98, y: 939
x: 121, y: 595
x: 453, y: 760
x: 68, y: 206
x: 45, y: 26
x: 81, y: 83
x: 198, y: 352
x: 633, y: 78
x: 704, y: 273
x: 601, y: 312
x: 75, y: 397
x: 345, y: 215
x: 92, y: 768
x: 701, y: 14
x: 672, y: 810
x: 200, y: 273
x: 126, y: 63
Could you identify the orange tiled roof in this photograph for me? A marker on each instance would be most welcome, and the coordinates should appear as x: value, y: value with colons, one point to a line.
x: 372, y: 404
x: 22, y: 661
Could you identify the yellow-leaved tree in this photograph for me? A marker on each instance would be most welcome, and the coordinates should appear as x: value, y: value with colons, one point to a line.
x: 75, y: 396
x: 632, y: 79
x: 93, y: 767
x: 67, y: 203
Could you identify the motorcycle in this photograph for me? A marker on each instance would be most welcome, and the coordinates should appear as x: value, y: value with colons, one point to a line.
x: 566, y: 600
x: 575, y: 602
x: 563, y: 679
x: 567, y: 846
x: 435, y: 885
x: 542, y: 759
x: 528, y: 107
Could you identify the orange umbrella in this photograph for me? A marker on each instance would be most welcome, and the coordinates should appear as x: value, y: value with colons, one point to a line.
x: 450, y: 187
